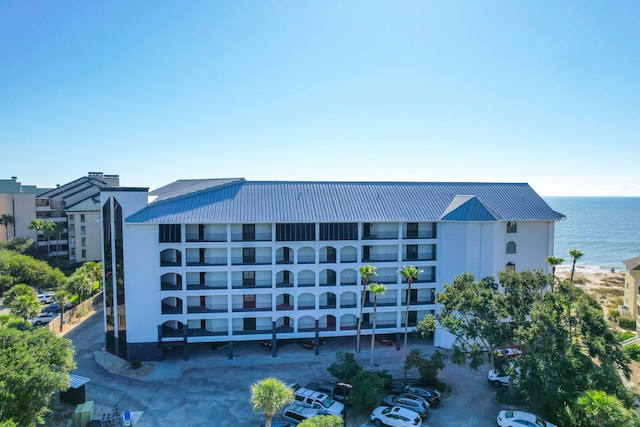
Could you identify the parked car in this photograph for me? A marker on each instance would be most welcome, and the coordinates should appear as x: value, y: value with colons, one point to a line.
x: 408, y: 401
x: 386, y: 340
x: 431, y: 395
x: 43, y: 319
x: 319, y: 401
x: 508, y: 352
x: 55, y: 308
x: 395, y: 416
x: 46, y: 297
x: 297, y: 413
x: 310, y: 344
x: 500, y: 377
x: 519, y: 419
x: 335, y: 390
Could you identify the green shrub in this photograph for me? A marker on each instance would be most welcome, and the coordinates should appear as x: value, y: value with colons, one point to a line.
x: 626, y: 335
x: 136, y: 364
x: 614, y: 315
x: 627, y: 322
x: 633, y: 351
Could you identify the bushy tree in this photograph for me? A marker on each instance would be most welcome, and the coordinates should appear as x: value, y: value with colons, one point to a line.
x: 427, y: 368
x: 28, y: 270
x: 595, y: 408
x: 323, y: 421
x: 33, y: 365
x: 366, y: 389
x: 345, y: 368
x: 22, y: 300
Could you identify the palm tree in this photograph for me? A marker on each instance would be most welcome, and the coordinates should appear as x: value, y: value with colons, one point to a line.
x: 39, y: 225
x: 270, y: 395
x: 575, y: 254
x: 61, y: 296
x: 410, y: 273
x: 554, y: 261
x: 56, y: 230
x: 602, y: 409
x: 376, y: 289
x: 366, y: 273
x: 5, y: 220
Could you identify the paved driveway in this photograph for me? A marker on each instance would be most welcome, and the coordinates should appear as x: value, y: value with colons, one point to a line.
x: 211, y: 390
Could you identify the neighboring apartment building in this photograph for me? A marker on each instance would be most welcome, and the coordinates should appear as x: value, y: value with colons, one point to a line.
x: 75, y: 205
x: 203, y: 261
x: 632, y: 286
x: 19, y: 202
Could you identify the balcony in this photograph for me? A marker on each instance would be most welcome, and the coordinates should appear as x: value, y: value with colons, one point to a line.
x: 283, y: 260
x: 326, y: 282
x: 420, y: 301
x: 209, y: 284
x: 381, y: 235
x: 284, y: 307
x: 258, y: 260
x: 284, y: 284
x: 213, y: 308
x: 426, y: 257
x: 421, y: 234
x: 200, y: 332
x: 251, y: 237
x: 242, y: 284
x: 207, y: 237
x: 257, y: 307
x: 171, y: 309
x: 381, y: 258
x: 387, y: 280
x: 207, y: 261
x: 347, y: 259
x: 306, y: 283
x: 306, y: 259
x: 348, y: 282
x: 382, y: 302
x: 169, y: 286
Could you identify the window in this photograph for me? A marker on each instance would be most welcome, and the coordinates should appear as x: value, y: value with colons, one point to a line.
x: 511, y: 247
x: 250, y: 324
x: 248, y: 255
x: 83, y: 242
x: 170, y: 233
x: 511, y: 266
x: 249, y: 302
x: 72, y: 241
x: 341, y: 231
x: 296, y: 232
x: 81, y: 217
x: 73, y: 252
x: 82, y: 230
x: 412, y: 230
x: 248, y: 278
x: 248, y: 232
x: 412, y: 252
x: 84, y: 253
x: 512, y: 227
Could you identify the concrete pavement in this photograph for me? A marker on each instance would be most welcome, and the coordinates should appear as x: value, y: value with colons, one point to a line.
x: 210, y: 389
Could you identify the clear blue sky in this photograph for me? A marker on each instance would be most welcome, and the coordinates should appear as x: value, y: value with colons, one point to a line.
x: 541, y: 91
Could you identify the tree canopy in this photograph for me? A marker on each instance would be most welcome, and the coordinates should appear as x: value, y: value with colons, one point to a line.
x: 21, y: 268
x: 322, y: 421
x: 34, y: 363
x: 22, y: 300
x: 269, y: 395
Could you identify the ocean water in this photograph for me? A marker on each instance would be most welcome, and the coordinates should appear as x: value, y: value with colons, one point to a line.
x: 605, y: 229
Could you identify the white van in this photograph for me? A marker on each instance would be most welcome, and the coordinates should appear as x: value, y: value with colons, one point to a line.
x: 322, y: 402
x: 297, y: 413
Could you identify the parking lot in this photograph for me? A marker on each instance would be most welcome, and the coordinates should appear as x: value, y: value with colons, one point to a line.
x: 210, y: 389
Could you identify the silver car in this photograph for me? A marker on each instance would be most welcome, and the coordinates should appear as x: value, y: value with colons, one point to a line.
x: 408, y: 401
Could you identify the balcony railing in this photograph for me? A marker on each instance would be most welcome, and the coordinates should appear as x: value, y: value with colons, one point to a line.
x: 258, y: 260
x: 209, y: 284
x: 419, y: 301
x: 212, y: 308
x: 421, y: 234
x: 168, y: 286
x: 207, y: 261
x: 257, y: 237
x: 199, y: 332
x: 327, y: 259
x: 282, y: 260
x: 348, y: 305
x: 262, y: 283
x: 348, y: 282
x: 171, y: 309
x: 422, y: 279
x: 306, y: 306
x: 207, y: 237
x: 283, y: 307
x: 380, y: 235
x: 283, y: 284
x: 345, y: 259
x: 305, y: 283
x: 258, y: 307
x: 327, y: 306
x: 387, y: 280
x: 326, y: 282
x: 306, y: 259
x: 426, y: 257
x: 381, y: 258
x: 382, y: 302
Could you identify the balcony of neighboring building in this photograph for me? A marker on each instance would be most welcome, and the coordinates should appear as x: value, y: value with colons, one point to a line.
x: 348, y: 322
x: 328, y: 277
x: 306, y: 255
x: 171, y: 282
x: 418, y: 253
x: 328, y: 301
x: 419, y: 230
x: 251, y: 256
x: 284, y: 255
x: 172, y: 305
x: 326, y: 323
x: 251, y: 279
x: 348, y: 277
x: 206, y: 257
x: 306, y: 278
x: 284, y: 279
x: 251, y: 233
x: 206, y: 280
x: 170, y: 258
x: 328, y: 255
x: 379, y: 231
x: 306, y: 301
x: 427, y: 275
x: 284, y: 302
x: 379, y: 253
x: 389, y: 299
x: 252, y: 325
x: 348, y: 254
x: 206, y: 232
x: 419, y: 297
x: 207, y: 304
x: 348, y: 300
x: 207, y: 327
x: 251, y: 302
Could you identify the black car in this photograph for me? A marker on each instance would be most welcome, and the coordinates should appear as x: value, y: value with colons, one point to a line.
x: 310, y: 344
x: 55, y: 307
x: 432, y: 396
x: 335, y: 390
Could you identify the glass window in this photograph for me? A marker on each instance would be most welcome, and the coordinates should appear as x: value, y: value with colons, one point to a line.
x: 511, y: 247
x: 83, y: 242
x: 512, y: 227
x: 170, y: 233
x: 82, y: 230
x: 81, y: 217
x: 84, y: 253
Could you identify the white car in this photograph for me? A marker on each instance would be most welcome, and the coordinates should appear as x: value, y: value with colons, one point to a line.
x: 43, y: 319
x: 395, y: 416
x: 45, y: 298
x: 519, y: 419
x: 499, y: 377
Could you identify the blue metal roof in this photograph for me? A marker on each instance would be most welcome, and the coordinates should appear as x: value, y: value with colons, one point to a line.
x: 292, y: 201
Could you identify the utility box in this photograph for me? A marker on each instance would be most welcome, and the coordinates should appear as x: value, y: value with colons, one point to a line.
x: 83, y: 413
x: 76, y: 393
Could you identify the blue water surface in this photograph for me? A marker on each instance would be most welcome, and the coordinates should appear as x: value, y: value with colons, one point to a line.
x: 605, y: 229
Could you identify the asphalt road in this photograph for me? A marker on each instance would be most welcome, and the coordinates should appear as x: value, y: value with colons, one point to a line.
x: 211, y: 390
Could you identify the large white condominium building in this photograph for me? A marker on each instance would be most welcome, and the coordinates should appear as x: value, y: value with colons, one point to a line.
x: 228, y: 260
